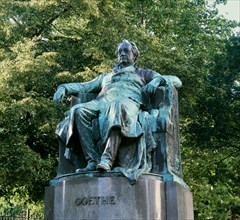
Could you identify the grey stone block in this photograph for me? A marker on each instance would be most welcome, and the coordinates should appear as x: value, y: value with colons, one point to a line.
x: 179, y: 202
x: 115, y: 198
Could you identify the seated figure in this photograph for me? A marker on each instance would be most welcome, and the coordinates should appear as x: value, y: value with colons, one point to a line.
x: 114, y: 130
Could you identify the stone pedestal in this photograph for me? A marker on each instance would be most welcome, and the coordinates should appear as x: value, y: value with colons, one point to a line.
x: 75, y: 198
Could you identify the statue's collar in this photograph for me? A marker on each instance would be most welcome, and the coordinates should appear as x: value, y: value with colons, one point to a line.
x: 118, y: 69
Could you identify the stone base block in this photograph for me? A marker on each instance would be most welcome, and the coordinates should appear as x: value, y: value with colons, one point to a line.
x: 75, y: 198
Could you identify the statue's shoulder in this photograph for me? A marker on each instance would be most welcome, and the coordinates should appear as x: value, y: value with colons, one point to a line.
x: 104, y: 75
x: 145, y: 72
x: 171, y: 79
x: 107, y: 75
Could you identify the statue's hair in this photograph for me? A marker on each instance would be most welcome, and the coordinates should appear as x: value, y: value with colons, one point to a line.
x: 135, y: 50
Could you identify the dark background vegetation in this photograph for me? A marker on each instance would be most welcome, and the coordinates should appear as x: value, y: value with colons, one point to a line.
x: 44, y: 43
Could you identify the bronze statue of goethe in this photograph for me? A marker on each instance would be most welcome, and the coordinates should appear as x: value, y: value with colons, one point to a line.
x: 117, y: 108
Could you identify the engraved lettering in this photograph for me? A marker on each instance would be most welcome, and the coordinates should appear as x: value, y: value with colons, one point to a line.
x: 78, y: 202
x: 95, y: 200
x: 104, y: 200
x: 90, y: 201
x: 84, y: 201
x: 112, y: 200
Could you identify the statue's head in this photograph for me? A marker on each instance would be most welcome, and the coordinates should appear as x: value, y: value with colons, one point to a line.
x: 127, y: 53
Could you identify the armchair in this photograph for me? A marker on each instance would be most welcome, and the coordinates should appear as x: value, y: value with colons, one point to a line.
x: 161, y: 110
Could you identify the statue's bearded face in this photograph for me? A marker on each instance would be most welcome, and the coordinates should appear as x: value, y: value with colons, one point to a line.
x: 125, y: 54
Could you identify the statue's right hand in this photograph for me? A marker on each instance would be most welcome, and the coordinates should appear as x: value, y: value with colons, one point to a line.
x: 59, y: 95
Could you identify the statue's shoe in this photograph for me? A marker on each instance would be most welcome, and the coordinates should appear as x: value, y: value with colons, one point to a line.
x: 90, y: 167
x: 104, y: 165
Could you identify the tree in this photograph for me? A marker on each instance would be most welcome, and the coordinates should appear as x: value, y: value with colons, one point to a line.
x: 214, y: 136
x: 48, y: 42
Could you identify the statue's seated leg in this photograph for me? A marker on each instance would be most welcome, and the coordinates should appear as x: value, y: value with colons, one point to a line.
x: 83, y: 117
x: 118, y: 119
x: 109, y: 155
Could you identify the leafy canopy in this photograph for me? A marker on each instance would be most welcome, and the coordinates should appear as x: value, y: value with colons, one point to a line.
x: 44, y: 43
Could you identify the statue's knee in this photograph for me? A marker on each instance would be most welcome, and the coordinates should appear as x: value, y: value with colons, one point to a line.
x: 79, y: 113
x: 84, y: 113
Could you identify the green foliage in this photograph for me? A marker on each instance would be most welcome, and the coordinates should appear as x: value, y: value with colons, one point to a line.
x: 213, y: 136
x: 18, y: 204
x: 44, y: 43
x: 212, y: 175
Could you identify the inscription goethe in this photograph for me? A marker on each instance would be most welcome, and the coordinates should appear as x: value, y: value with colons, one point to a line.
x: 95, y: 200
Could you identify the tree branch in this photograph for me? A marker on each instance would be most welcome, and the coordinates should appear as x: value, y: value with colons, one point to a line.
x: 63, y: 34
x: 229, y: 155
x: 49, y: 22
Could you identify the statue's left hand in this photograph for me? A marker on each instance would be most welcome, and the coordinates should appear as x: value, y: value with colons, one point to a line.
x: 149, y: 89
